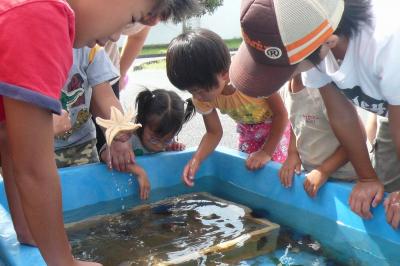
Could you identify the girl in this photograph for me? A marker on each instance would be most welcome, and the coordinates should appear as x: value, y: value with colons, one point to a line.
x: 162, y: 114
x: 261, y: 122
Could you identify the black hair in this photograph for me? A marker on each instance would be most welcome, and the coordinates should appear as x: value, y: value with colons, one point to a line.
x: 177, y: 10
x: 163, y: 111
x: 356, y: 14
x: 195, y: 58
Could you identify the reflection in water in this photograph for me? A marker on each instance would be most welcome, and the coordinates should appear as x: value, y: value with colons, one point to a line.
x: 179, y: 229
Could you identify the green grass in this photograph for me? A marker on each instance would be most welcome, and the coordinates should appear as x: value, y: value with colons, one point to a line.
x: 161, y: 49
x: 158, y: 64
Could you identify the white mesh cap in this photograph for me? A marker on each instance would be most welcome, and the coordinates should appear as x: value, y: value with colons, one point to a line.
x: 305, y: 24
x: 278, y: 34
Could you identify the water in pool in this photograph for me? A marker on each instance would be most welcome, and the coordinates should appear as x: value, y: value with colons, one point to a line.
x: 124, y: 239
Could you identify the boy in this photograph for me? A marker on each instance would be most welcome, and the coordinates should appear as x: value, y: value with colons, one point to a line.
x: 313, y: 144
x: 357, y: 46
x: 199, y: 61
x: 86, y: 93
x: 35, y: 56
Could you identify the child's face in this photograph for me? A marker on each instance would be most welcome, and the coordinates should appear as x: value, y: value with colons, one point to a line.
x: 154, y: 143
x: 208, y: 95
x: 98, y: 21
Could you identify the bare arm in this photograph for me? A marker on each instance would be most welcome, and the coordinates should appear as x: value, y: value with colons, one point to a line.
x: 207, y: 145
x: 132, y: 48
x: 279, y: 123
x: 334, y: 162
x: 121, y: 151
x: 258, y: 159
x: 345, y: 123
x: 30, y: 135
x: 103, y: 98
x: 292, y: 164
x: 143, y: 180
x: 212, y: 137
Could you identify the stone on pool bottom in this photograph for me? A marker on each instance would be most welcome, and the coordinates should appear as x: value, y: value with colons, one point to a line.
x: 176, y: 230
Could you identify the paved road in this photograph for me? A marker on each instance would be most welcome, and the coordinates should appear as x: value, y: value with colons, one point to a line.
x: 193, y: 131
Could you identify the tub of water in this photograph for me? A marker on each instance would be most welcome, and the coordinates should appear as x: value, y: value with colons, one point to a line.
x: 320, y: 231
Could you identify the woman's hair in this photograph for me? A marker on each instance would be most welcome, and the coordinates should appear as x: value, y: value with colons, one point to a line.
x: 194, y: 59
x: 163, y: 111
x: 356, y: 14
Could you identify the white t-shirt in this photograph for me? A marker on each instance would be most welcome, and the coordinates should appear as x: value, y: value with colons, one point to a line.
x: 370, y: 72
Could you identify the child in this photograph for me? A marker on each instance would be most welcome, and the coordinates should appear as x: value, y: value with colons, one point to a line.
x: 199, y: 61
x: 357, y: 42
x: 313, y: 143
x: 86, y: 92
x: 161, y: 114
x: 34, y: 66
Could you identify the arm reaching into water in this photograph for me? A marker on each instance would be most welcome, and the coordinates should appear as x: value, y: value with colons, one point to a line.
x: 207, y: 145
x: 143, y: 180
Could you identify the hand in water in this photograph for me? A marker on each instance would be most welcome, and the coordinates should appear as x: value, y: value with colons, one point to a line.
x: 190, y: 171
x: 366, y: 193
x: 144, y: 186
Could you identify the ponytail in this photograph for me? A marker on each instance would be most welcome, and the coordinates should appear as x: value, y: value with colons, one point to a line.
x: 190, y: 110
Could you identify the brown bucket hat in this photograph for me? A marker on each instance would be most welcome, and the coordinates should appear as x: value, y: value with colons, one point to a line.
x: 277, y: 35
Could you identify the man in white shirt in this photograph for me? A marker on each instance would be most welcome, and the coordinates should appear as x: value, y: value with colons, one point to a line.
x: 349, y: 50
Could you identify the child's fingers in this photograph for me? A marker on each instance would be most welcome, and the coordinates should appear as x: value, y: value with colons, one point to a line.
x: 146, y: 192
x: 298, y: 169
x: 142, y: 193
x: 378, y: 198
x: 306, y: 186
x: 395, y: 215
x: 386, y: 204
x: 186, y: 176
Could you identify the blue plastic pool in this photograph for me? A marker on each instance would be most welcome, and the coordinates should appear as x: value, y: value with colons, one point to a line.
x: 327, y: 217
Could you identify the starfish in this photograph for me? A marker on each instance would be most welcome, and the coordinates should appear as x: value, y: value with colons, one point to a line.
x: 117, y: 123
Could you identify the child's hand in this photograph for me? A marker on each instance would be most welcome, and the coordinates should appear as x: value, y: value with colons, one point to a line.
x: 176, y: 146
x: 257, y: 160
x: 392, y: 209
x: 314, y: 180
x: 190, y: 171
x: 121, y: 153
x: 144, y: 186
x: 61, y: 123
x: 289, y: 167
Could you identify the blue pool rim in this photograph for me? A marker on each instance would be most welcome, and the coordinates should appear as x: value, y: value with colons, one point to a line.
x: 91, y: 184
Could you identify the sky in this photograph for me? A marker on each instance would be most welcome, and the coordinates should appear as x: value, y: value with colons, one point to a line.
x: 224, y: 21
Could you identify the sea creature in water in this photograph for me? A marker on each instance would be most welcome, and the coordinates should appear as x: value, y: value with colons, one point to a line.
x: 117, y: 123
